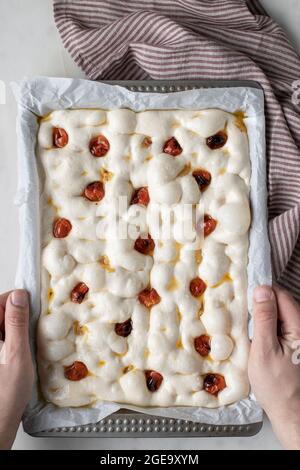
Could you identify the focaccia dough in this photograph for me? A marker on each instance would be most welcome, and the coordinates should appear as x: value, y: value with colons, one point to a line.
x: 162, y: 339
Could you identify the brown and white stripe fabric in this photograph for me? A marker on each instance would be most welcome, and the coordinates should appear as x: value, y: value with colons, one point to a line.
x: 208, y: 39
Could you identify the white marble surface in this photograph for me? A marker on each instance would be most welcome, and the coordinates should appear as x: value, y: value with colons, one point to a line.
x: 30, y: 45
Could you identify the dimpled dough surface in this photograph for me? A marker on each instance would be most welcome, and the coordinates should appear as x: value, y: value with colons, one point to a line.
x: 162, y: 338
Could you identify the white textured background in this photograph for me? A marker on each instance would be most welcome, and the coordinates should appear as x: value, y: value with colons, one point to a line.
x: 30, y: 45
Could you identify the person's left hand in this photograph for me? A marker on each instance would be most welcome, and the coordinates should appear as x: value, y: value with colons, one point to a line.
x: 16, y: 367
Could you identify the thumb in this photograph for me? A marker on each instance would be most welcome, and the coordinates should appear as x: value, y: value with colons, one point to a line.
x: 16, y: 322
x: 265, y: 318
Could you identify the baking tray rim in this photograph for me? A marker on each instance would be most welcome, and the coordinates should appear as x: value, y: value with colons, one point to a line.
x: 117, y: 424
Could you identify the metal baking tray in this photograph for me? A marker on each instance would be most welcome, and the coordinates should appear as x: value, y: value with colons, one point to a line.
x: 126, y: 423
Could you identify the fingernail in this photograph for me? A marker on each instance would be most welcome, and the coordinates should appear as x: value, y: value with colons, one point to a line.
x: 19, y: 298
x: 263, y: 294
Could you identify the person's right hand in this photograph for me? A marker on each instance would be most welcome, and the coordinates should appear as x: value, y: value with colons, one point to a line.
x: 16, y: 368
x: 274, y: 364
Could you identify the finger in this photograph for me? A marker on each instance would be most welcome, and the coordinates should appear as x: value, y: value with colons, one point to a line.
x: 265, y: 318
x: 1, y: 322
x: 1, y: 315
x: 288, y: 313
x: 3, y: 299
x: 16, y: 322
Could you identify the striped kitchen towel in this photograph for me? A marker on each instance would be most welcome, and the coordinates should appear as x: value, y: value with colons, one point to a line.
x: 208, y: 39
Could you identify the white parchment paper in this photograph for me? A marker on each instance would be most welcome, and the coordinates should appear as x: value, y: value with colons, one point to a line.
x: 39, y: 96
